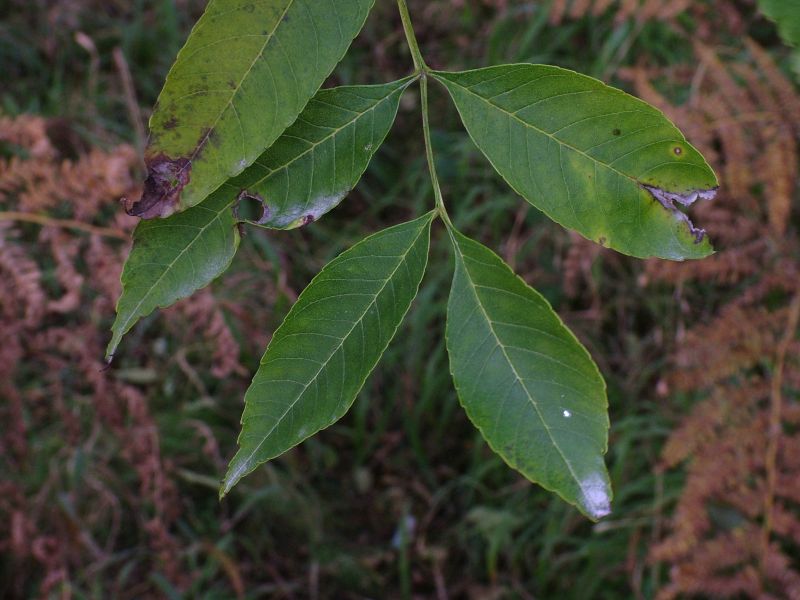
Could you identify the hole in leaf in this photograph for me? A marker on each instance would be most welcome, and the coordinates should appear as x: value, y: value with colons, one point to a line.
x: 251, y: 208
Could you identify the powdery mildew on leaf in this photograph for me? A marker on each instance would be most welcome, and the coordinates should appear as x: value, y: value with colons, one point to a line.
x: 290, y: 184
x: 582, y: 152
x: 668, y: 199
x: 315, y: 164
x: 525, y: 381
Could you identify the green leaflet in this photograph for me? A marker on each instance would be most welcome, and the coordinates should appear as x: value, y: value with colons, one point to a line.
x: 321, y: 157
x: 298, y: 179
x: 591, y: 157
x: 245, y: 73
x: 319, y: 358
x: 525, y: 381
x: 172, y: 258
x: 786, y: 14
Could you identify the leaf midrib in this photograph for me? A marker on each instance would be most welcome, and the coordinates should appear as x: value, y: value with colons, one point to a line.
x: 313, y: 145
x: 519, y: 379
x: 245, y: 75
x: 401, y: 261
x: 171, y: 264
x: 542, y: 131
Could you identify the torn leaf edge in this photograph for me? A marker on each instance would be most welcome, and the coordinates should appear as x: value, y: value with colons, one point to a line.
x: 668, y: 199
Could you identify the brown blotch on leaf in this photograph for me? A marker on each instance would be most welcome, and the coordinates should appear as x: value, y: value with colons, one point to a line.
x: 306, y: 220
x: 677, y: 150
x: 602, y: 241
x: 171, y: 123
x: 616, y: 132
x: 166, y: 178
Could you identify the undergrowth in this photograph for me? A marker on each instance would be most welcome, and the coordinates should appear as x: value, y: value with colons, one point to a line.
x: 103, y: 492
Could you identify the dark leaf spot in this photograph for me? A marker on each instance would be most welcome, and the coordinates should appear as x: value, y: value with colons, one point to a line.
x: 616, y: 132
x: 166, y: 178
x: 602, y: 240
x: 678, y: 150
x: 306, y: 220
x: 206, y: 135
x: 171, y: 123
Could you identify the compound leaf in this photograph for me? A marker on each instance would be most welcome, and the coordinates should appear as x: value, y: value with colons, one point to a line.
x: 320, y: 356
x: 525, y: 381
x: 172, y: 258
x: 245, y: 73
x: 591, y: 157
x: 321, y: 157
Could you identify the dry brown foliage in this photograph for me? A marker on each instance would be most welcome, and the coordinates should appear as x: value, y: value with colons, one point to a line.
x: 61, y: 251
x: 736, y: 528
x: 639, y: 10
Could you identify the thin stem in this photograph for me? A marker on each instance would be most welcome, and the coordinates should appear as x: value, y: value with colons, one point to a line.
x: 426, y: 130
x: 64, y: 223
x: 422, y: 70
x: 413, y: 46
x: 774, y: 431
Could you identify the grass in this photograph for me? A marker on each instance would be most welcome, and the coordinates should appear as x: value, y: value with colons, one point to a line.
x: 402, y: 496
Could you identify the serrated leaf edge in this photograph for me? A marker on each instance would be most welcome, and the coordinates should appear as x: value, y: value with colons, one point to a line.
x: 234, y: 475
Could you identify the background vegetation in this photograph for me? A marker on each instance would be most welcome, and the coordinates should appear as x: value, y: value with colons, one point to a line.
x: 108, y: 485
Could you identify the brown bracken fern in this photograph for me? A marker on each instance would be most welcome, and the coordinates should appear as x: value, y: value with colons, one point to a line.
x: 639, y: 10
x: 736, y: 529
x: 61, y: 252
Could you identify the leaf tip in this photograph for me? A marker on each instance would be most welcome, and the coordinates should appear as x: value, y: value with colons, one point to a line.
x: 595, y: 500
x: 237, y: 469
x: 111, y: 349
x: 668, y: 199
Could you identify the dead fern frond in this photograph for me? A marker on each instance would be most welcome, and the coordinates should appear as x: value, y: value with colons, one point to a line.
x: 740, y: 445
x: 60, y: 262
x: 204, y: 317
x: 637, y: 10
x: 24, y: 293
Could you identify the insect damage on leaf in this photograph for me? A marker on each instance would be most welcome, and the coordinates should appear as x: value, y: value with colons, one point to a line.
x: 668, y: 199
x: 266, y: 213
x: 166, y: 178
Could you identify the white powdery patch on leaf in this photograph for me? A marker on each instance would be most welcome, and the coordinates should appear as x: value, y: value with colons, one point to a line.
x: 668, y: 200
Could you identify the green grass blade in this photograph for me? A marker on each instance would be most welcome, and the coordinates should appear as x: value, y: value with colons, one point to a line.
x: 330, y: 341
x: 243, y: 76
x: 591, y: 157
x: 525, y: 381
